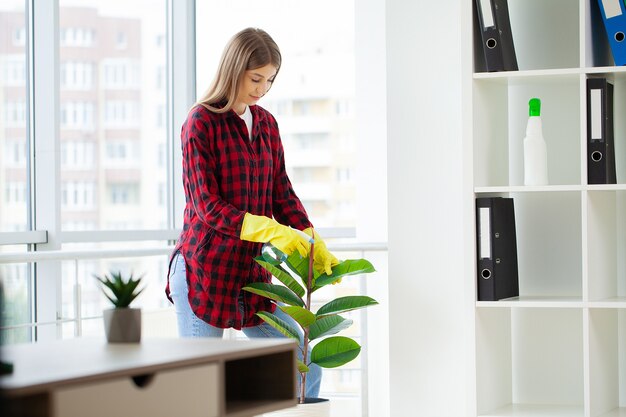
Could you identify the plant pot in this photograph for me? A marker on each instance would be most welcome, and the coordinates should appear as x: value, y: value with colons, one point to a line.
x: 312, y: 407
x: 122, y: 325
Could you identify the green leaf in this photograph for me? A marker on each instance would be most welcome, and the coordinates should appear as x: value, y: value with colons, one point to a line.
x: 272, y: 255
x: 300, y: 314
x: 280, y: 325
x: 282, y: 275
x: 119, y: 291
x: 345, y: 268
x: 302, y: 368
x: 328, y: 325
x: 335, y: 351
x: 300, y: 266
x: 275, y: 292
x: 343, y: 304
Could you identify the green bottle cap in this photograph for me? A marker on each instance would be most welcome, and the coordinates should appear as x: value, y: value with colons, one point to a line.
x: 534, y: 107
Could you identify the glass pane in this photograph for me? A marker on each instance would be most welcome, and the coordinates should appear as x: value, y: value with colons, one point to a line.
x: 112, y: 92
x: 13, y: 117
x: 313, y: 97
x: 158, y: 314
x: 15, y: 307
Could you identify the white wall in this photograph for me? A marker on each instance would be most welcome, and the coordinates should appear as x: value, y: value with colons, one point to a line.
x: 428, y: 343
x: 371, y: 133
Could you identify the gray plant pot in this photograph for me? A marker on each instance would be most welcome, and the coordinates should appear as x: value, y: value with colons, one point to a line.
x: 122, y: 325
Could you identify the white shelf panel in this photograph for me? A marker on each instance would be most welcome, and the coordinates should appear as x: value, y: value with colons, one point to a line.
x: 534, y: 302
x: 618, y: 412
x: 529, y: 189
x: 549, y: 188
x: 548, y: 74
x: 614, y: 302
x: 606, y: 187
x: 528, y: 410
x: 604, y: 70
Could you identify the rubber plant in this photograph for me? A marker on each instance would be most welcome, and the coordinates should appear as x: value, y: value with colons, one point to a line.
x: 298, y: 281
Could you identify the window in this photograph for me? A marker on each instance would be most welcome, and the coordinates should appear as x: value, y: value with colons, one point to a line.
x: 123, y: 194
x: 14, y: 175
x: 116, y: 73
x: 14, y: 153
x: 14, y: 145
x: 76, y: 75
x: 77, y: 154
x: 121, y: 73
x: 14, y: 70
x: 15, y: 192
x: 78, y: 195
x: 121, y: 114
x: 77, y: 37
x: 122, y: 153
x: 15, y: 113
x: 77, y: 115
x: 19, y: 36
x: 120, y: 41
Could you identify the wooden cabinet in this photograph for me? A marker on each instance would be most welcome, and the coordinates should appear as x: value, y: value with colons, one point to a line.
x: 190, y: 377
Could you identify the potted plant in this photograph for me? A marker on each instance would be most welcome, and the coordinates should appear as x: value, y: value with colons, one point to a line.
x: 299, y: 281
x: 122, y: 324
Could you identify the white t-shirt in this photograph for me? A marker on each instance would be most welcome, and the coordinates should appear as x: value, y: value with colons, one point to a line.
x: 247, y: 117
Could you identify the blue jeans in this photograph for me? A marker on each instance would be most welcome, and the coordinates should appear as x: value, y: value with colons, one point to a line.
x: 189, y: 325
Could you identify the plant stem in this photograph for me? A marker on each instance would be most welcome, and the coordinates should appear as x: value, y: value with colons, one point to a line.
x: 309, y: 286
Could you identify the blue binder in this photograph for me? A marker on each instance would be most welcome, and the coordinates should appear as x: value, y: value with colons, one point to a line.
x: 614, y: 17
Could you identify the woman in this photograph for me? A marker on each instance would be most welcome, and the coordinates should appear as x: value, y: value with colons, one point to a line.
x: 238, y: 196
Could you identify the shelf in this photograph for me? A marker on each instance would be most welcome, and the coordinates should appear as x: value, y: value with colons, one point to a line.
x: 617, y: 412
x: 615, y: 302
x: 534, y: 302
x: 528, y: 189
x: 499, y: 126
x: 550, y: 75
x: 559, y: 349
x: 527, y: 410
x: 528, y: 356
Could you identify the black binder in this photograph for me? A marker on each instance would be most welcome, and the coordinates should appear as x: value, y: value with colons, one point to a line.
x: 496, y: 249
x: 495, y: 30
x: 600, y: 136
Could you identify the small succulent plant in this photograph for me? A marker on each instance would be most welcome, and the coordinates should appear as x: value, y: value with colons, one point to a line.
x: 121, y: 292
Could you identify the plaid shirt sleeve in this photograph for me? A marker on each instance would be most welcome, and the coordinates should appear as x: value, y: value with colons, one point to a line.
x: 200, y: 182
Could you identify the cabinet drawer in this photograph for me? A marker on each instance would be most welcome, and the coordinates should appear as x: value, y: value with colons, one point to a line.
x: 188, y: 392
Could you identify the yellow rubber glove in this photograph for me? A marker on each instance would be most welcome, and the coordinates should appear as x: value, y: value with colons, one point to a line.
x: 323, y: 260
x: 263, y: 229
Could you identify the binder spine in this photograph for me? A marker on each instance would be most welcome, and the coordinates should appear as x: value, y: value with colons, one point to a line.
x: 600, y: 135
x: 485, y: 273
x: 495, y: 31
x: 490, y: 36
x: 506, y: 36
x: 497, y: 270
x: 614, y: 19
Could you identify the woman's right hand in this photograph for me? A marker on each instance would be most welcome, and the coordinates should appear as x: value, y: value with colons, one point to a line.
x: 264, y: 229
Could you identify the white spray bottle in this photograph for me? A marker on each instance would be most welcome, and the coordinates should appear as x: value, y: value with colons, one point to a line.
x: 535, y: 153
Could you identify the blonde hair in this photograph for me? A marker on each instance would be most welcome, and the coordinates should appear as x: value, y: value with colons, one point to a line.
x: 248, y: 49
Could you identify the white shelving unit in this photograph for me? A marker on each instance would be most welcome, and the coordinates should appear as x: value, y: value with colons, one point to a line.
x: 559, y: 349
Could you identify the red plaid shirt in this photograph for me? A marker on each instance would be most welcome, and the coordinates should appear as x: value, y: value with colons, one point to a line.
x: 226, y: 175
